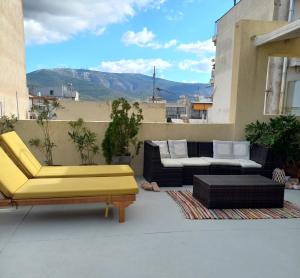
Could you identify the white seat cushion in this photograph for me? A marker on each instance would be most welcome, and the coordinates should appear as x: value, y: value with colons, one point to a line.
x: 193, y: 161
x: 163, y: 149
x: 178, y: 148
x: 169, y: 162
x: 241, y: 150
x: 220, y: 161
x: 245, y: 163
x: 223, y: 149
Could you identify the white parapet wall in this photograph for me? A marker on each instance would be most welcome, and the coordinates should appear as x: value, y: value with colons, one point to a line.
x: 66, y: 154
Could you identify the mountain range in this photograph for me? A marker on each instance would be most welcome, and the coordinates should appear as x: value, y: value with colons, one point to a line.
x: 96, y: 85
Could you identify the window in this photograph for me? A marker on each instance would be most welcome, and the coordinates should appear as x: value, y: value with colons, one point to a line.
x: 292, y: 102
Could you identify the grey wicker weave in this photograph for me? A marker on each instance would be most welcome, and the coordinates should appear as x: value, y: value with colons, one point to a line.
x: 238, y: 191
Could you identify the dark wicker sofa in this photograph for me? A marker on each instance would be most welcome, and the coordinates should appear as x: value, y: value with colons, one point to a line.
x: 154, y: 171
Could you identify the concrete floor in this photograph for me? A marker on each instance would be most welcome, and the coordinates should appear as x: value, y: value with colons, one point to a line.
x: 156, y: 241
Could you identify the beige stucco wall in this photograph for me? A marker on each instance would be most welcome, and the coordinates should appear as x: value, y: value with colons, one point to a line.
x: 12, y: 59
x: 246, y: 9
x: 249, y: 73
x: 65, y: 152
x: 100, y: 111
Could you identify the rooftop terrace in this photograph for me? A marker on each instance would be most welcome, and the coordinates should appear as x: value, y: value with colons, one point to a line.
x: 155, y: 241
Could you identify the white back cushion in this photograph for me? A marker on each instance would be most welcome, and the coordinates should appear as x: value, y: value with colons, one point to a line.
x: 241, y: 150
x: 163, y: 149
x: 223, y: 149
x: 178, y: 148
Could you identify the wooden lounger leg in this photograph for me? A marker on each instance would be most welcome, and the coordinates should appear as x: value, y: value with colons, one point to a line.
x: 121, y: 207
x: 106, y: 210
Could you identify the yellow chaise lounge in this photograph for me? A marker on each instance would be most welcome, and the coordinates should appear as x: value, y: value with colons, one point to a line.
x: 31, y: 167
x: 17, y: 189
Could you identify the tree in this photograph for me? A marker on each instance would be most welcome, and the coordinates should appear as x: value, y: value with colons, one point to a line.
x: 121, y: 134
x: 84, y: 140
x: 45, y: 113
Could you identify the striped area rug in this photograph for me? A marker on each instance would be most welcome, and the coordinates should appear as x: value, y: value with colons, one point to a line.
x: 193, y: 209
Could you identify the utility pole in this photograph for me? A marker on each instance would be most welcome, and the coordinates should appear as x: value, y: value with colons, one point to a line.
x: 153, y: 93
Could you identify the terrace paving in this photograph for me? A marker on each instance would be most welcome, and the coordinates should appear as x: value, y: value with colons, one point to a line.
x: 156, y: 241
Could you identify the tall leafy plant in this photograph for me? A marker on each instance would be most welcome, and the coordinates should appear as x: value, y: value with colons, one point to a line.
x: 45, y: 113
x: 282, y: 134
x: 85, y: 141
x: 7, y: 124
x: 121, y: 135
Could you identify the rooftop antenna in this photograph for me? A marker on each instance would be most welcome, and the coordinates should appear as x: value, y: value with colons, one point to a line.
x: 153, y: 93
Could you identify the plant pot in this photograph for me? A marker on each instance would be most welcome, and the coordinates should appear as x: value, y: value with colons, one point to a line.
x: 118, y: 160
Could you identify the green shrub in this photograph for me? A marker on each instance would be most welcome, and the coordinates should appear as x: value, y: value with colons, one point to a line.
x: 121, y: 134
x: 45, y: 113
x: 282, y: 134
x: 7, y: 124
x: 84, y: 140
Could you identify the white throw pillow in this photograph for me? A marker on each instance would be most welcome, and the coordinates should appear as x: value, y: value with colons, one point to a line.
x: 178, y: 148
x: 163, y: 148
x: 241, y: 150
x: 223, y: 149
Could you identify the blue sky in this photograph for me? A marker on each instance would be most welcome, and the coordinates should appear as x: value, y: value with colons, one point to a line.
x: 124, y: 36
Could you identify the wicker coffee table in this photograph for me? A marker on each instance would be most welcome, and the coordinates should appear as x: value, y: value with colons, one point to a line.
x: 238, y: 191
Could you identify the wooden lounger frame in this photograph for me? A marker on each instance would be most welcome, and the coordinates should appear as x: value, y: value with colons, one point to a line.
x: 119, y: 201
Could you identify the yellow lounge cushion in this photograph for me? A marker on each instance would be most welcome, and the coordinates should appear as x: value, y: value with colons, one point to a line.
x: 76, y: 187
x: 23, y: 157
x: 84, y: 171
x: 11, y: 177
x: 20, y: 151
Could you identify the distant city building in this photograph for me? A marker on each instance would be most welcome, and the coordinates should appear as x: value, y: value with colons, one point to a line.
x: 37, y: 102
x: 199, y: 108
x: 186, y: 110
x: 177, y: 110
x: 62, y: 92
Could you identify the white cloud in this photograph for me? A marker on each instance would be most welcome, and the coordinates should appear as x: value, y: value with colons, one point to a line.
x: 174, y: 15
x: 143, y: 66
x: 56, y: 21
x: 40, y: 35
x: 142, y: 38
x: 169, y: 44
x: 200, y: 48
x: 100, y: 31
x: 146, y: 39
x: 200, y: 66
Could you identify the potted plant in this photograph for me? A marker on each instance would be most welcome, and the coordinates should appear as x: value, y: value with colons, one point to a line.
x: 120, y: 142
x: 282, y: 135
x: 45, y: 113
x: 7, y: 124
x: 85, y: 141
